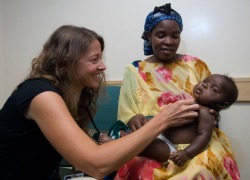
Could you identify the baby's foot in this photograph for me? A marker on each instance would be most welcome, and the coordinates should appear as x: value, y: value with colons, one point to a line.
x: 104, y: 138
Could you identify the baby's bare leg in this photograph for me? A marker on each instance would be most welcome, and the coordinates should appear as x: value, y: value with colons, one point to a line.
x: 157, y: 150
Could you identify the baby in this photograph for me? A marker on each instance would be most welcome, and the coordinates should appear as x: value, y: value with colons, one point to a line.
x: 214, y: 92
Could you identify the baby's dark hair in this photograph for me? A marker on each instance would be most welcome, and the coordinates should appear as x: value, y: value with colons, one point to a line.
x: 232, y: 92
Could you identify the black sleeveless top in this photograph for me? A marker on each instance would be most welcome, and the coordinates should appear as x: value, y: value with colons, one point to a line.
x: 24, y: 151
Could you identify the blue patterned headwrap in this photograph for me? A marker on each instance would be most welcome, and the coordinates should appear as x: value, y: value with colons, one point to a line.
x: 159, y: 14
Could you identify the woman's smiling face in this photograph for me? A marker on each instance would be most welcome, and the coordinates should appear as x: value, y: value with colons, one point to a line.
x: 90, y: 66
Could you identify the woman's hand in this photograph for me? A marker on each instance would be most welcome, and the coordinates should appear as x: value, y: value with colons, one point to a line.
x: 216, y: 115
x: 179, y: 113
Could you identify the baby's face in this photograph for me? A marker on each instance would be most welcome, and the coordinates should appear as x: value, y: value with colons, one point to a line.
x: 210, y: 91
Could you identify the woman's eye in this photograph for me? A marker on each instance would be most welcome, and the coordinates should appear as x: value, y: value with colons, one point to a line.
x: 160, y: 35
x: 176, y: 36
x: 94, y: 59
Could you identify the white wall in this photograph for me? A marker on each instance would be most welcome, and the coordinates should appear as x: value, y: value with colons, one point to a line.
x: 1, y: 56
x: 216, y: 31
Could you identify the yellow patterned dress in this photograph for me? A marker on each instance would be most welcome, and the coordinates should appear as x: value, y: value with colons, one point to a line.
x: 149, y: 86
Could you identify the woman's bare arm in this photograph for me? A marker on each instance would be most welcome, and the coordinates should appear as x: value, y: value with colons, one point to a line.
x: 49, y: 111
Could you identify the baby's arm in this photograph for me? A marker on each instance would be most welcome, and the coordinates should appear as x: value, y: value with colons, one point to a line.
x: 205, y: 122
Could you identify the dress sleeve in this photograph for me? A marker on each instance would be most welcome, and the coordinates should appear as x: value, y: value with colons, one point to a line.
x: 135, y: 96
x: 201, y: 69
x: 127, y: 101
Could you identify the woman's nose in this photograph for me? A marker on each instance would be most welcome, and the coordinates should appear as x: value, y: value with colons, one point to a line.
x: 168, y: 41
x: 102, y: 66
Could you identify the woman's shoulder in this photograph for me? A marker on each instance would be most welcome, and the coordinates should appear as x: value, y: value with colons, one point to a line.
x: 37, y: 82
x: 193, y: 61
x: 189, y: 58
x: 36, y: 85
x: 27, y: 90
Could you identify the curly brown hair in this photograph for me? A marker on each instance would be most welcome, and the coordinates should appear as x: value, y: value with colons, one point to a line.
x: 57, y: 63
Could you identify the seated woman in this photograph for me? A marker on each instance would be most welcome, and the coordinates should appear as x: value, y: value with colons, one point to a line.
x: 163, y: 78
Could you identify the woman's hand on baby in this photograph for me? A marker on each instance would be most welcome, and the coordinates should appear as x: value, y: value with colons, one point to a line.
x: 215, y: 114
x: 179, y: 113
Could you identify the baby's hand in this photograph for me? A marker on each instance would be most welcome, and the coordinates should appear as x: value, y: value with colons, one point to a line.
x: 179, y: 158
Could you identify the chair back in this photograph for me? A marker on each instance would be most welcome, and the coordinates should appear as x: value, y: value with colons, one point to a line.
x: 106, y: 114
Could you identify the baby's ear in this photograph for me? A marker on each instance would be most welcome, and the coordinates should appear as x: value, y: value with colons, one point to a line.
x: 223, y: 105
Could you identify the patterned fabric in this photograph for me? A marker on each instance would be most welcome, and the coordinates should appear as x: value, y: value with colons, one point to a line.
x: 137, y: 168
x: 115, y: 129
x: 149, y: 86
x: 216, y: 162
